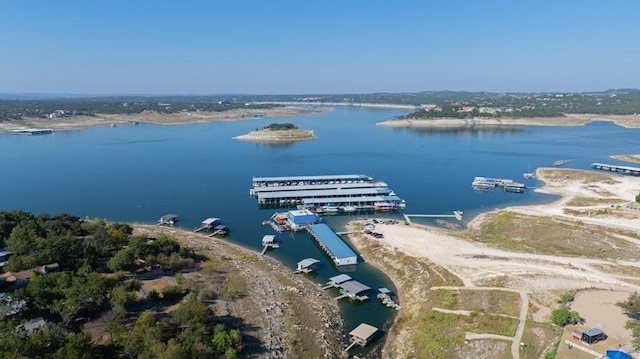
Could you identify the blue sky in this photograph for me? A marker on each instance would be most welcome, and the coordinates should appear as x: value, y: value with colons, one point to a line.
x: 317, y: 46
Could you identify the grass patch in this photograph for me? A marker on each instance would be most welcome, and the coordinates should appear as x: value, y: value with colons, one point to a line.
x: 539, y: 339
x: 591, y: 201
x: 564, y: 174
x: 490, y: 301
x: 545, y: 235
x: 302, y: 321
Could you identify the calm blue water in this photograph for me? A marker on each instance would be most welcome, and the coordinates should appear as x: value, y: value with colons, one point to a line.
x: 138, y: 173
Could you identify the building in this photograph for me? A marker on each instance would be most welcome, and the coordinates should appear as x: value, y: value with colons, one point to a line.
x: 334, y: 246
x: 300, y: 219
x: 593, y: 335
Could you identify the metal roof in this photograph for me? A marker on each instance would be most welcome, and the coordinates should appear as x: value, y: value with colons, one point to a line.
x: 210, y: 220
x: 593, y: 331
x: 311, y: 178
x: 629, y: 168
x: 384, y: 290
x: 325, y: 193
x: 169, y: 216
x: 343, y: 199
x: 353, y: 287
x: 363, y: 331
x: 333, y: 243
x: 340, y: 278
x: 307, y: 262
x: 269, y: 238
x: 318, y: 187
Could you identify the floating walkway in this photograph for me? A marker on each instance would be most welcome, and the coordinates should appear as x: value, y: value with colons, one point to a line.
x: 340, y: 252
x: 627, y: 170
x: 456, y: 214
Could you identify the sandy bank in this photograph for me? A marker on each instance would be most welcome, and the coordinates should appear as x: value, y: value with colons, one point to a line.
x: 80, y: 122
x: 629, y: 121
x: 268, y: 135
x: 627, y: 158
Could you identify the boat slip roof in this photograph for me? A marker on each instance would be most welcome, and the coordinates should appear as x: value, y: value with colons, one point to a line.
x: 318, y: 187
x: 328, y: 192
x: 311, y: 178
x: 341, y: 278
x: 268, y: 238
x: 211, y: 220
x: 363, y: 331
x: 353, y: 287
x: 307, y: 262
x: 333, y: 243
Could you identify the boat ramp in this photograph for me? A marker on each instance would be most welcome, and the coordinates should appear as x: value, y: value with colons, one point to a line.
x: 334, y: 246
x: 329, y: 194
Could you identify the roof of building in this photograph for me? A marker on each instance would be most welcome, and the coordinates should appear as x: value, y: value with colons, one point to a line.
x: 310, y: 178
x: 211, y: 220
x: 593, y: 332
x: 307, y: 262
x: 364, y: 331
x: 301, y: 212
x: 384, y: 290
x: 334, y: 244
x: 319, y: 187
x: 332, y: 192
x: 269, y: 238
x: 341, y: 278
x: 167, y: 217
x: 353, y: 287
x: 343, y: 199
x: 616, y: 166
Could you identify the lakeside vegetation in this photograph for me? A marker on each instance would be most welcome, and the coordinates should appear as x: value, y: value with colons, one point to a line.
x: 432, y: 104
x: 97, y: 279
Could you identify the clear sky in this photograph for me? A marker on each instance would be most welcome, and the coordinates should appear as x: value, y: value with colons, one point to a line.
x: 317, y: 46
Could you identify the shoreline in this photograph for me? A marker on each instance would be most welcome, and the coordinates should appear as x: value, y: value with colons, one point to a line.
x: 477, y: 264
x: 151, y: 117
x: 627, y: 121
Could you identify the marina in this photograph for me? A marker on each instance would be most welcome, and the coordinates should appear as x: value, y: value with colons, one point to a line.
x: 326, y: 194
x: 627, y: 170
x: 339, y: 252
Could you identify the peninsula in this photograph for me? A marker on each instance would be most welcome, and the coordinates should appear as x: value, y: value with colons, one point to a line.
x: 278, y: 132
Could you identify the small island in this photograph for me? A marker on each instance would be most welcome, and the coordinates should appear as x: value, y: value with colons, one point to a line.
x: 278, y: 132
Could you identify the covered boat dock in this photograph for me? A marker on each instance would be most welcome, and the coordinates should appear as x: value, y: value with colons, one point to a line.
x: 334, y: 282
x: 340, y: 252
x: 627, y: 170
x: 306, y: 265
x: 353, y: 290
x: 361, y: 335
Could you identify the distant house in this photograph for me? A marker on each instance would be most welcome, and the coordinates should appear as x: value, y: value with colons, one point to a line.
x: 34, y: 324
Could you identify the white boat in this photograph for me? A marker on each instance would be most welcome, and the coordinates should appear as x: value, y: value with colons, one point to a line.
x: 330, y: 208
x: 529, y: 175
x: 348, y: 208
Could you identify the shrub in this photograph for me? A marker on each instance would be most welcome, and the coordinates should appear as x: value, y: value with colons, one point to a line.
x: 171, y: 292
x: 567, y: 297
x: 564, y: 316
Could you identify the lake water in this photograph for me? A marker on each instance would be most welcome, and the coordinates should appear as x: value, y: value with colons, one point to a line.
x: 139, y: 173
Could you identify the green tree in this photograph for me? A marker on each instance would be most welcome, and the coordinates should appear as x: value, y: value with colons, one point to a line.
x: 631, y: 305
x: 564, y: 316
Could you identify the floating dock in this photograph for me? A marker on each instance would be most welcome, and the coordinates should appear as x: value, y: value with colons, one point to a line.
x: 340, y: 252
x: 627, y: 170
x: 208, y: 224
x: 326, y: 194
x: 168, y: 219
x: 384, y: 295
x: 490, y: 184
x: 33, y: 131
x: 269, y: 241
